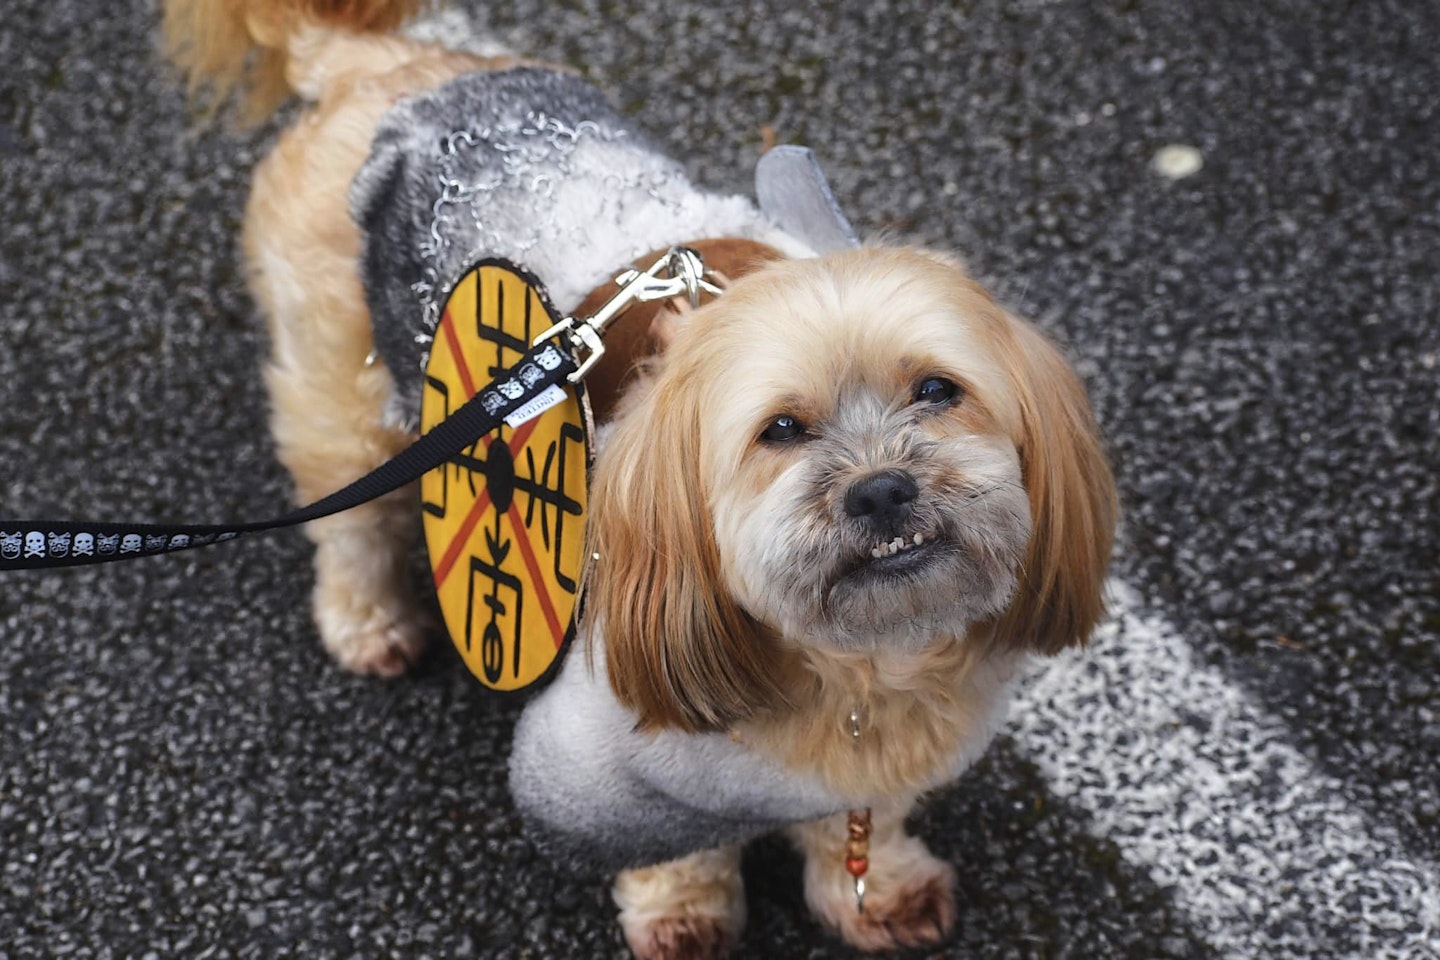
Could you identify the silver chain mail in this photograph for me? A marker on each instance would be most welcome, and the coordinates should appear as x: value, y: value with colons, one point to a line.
x: 533, y: 156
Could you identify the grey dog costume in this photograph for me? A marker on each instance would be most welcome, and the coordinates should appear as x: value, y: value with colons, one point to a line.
x: 534, y: 166
x: 528, y: 165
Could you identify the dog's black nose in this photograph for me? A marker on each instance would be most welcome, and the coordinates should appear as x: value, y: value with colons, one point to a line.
x: 883, y: 498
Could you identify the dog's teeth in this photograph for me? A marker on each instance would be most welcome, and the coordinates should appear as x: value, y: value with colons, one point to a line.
x: 892, y: 547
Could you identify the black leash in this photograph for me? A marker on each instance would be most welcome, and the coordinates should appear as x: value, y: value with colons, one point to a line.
x: 41, y: 544
x: 563, y: 353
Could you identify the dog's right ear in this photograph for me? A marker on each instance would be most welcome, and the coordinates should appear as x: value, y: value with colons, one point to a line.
x: 680, y: 652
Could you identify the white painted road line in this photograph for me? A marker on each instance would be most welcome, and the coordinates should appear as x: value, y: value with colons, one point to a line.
x: 1202, y: 789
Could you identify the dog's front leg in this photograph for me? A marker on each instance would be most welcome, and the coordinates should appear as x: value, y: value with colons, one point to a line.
x: 909, y: 895
x: 687, y: 909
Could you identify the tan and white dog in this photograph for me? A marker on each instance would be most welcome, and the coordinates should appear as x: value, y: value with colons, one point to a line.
x: 833, y: 518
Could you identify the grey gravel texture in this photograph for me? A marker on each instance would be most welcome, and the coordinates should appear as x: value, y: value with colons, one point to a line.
x: 182, y: 772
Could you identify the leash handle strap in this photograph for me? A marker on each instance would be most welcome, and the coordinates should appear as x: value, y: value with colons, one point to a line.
x: 42, y: 544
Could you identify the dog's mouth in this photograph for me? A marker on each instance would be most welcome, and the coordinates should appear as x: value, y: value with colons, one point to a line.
x: 906, y: 557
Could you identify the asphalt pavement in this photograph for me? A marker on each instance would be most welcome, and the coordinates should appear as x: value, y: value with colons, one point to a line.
x: 1244, y: 765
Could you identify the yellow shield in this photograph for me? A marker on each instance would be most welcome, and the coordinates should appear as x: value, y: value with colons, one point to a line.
x: 504, y: 520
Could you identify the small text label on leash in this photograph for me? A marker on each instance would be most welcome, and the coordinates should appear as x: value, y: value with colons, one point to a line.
x: 529, y: 411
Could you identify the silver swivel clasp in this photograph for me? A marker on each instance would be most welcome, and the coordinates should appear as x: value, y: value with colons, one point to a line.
x: 680, y: 272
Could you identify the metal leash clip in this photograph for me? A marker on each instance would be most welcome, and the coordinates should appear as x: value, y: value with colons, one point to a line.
x: 680, y: 272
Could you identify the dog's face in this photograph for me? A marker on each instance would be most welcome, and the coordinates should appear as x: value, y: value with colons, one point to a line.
x: 861, y: 452
x: 865, y: 491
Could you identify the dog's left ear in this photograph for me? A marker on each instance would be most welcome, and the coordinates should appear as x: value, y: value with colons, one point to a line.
x: 679, y: 650
x: 1073, y: 505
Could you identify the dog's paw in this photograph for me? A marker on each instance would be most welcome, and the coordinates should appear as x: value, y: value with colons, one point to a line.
x: 687, y: 909
x: 680, y: 938
x: 919, y: 914
x: 370, y: 638
x: 910, y: 904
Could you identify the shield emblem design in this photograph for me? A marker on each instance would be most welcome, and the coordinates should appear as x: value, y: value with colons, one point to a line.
x: 504, y: 520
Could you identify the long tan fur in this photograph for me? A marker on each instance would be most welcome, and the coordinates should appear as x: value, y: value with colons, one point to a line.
x: 679, y: 652
x: 241, y: 46
x: 682, y: 653
x: 1072, y: 499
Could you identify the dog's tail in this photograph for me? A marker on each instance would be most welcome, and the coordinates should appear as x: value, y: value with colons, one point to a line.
x: 249, y: 48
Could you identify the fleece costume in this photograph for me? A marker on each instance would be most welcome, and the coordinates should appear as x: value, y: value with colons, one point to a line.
x: 535, y: 167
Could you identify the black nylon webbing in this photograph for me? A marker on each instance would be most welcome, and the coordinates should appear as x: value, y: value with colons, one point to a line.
x: 40, y: 544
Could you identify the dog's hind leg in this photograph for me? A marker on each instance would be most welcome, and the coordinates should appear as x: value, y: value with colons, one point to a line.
x: 328, y: 421
x: 687, y: 909
x: 329, y: 399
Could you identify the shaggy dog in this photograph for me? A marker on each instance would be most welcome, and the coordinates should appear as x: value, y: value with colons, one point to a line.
x: 830, y: 521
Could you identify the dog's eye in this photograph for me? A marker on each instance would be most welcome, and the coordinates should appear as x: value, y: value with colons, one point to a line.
x: 937, y: 391
x: 783, y: 429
